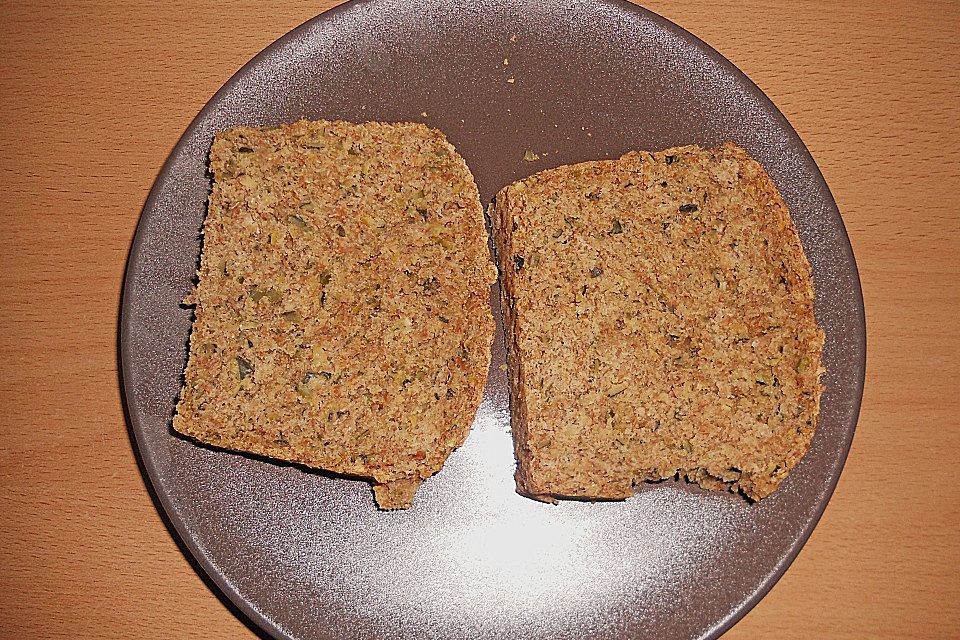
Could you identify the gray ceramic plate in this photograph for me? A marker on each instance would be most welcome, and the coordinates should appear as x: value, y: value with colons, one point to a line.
x: 304, y: 555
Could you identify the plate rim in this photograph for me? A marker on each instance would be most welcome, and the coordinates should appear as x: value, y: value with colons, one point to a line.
x: 201, y: 563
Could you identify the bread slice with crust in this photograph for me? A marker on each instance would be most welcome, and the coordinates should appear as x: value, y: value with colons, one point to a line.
x: 659, y: 321
x: 342, y: 307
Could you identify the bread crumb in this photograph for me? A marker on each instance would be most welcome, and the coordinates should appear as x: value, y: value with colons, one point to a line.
x: 658, y: 312
x: 335, y: 327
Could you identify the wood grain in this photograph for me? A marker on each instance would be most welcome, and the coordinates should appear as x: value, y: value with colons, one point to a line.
x: 95, y: 94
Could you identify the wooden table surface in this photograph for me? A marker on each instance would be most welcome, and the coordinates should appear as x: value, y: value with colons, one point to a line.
x: 94, y: 96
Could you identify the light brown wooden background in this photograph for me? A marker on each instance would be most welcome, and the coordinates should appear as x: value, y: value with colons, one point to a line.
x: 95, y: 94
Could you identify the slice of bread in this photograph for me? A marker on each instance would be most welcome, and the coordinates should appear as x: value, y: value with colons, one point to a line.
x: 342, y: 307
x: 659, y: 321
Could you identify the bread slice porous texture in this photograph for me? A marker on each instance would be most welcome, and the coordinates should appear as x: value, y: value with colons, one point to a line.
x: 342, y: 313
x: 659, y: 316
